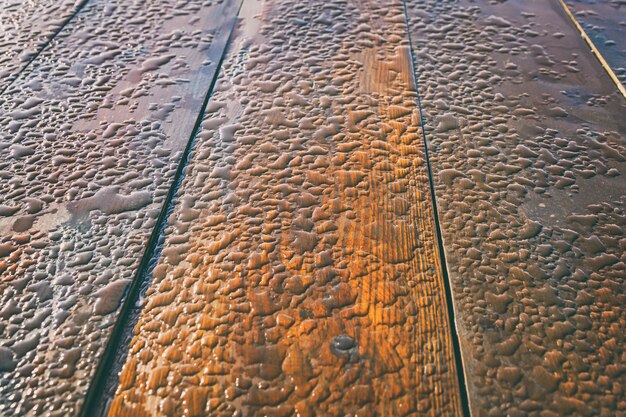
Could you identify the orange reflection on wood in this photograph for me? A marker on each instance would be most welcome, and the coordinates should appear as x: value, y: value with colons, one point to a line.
x: 301, y: 275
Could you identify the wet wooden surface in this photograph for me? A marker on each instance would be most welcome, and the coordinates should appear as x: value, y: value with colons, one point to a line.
x: 25, y: 28
x: 299, y: 271
x: 91, y: 137
x: 605, y: 23
x: 527, y: 141
x: 300, y: 274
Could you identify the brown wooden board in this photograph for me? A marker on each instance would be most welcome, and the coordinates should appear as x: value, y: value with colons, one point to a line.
x: 91, y: 135
x: 25, y: 28
x: 526, y: 134
x: 301, y: 273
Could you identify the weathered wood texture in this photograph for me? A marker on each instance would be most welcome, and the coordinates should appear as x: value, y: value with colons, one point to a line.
x: 528, y: 150
x: 90, y: 137
x: 604, y: 21
x: 25, y: 28
x: 300, y: 274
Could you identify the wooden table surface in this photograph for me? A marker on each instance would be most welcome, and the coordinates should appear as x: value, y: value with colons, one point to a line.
x: 311, y: 208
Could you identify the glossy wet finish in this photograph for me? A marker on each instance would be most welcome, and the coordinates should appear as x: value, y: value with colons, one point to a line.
x: 25, y: 28
x: 300, y: 274
x: 91, y: 135
x: 528, y: 152
x: 605, y: 23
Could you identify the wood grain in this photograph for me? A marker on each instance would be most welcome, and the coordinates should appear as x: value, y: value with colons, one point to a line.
x: 300, y: 273
x: 528, y: 153
x: 91, y: 137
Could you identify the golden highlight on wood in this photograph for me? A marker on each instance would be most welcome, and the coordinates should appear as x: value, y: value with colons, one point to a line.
x: 225, y: 208
x: 300, y: 274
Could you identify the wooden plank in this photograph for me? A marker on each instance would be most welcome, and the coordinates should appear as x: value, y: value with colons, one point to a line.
x: 91, y: 137
x: 300, y: 274
x: 528, y: 148
x: 604, y: 21
x: 26, y: 27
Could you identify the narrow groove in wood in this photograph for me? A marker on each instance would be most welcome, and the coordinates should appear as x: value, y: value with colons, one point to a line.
x: 44, y: 46
x: 92, y: 135
x: 594, y: 49
x: 96, y: 403
x: 465, y: 405
x: 527, y: 156
x: 301, y: 273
